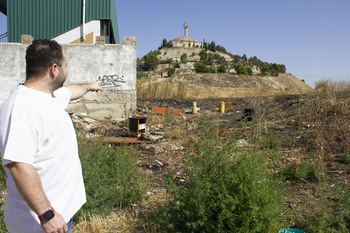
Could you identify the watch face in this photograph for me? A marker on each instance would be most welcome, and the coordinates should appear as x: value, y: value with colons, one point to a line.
x: 48, y: 215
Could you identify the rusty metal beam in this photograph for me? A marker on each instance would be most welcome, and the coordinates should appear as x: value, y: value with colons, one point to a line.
x: 123, y: 140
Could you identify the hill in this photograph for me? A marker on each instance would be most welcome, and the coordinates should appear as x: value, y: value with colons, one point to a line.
x: 210, y: 72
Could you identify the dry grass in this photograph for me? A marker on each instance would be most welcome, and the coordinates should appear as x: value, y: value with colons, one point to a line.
x: 122, y: 221
x: 133, y: 219
x: 151, y: 90
x: 332, y: 86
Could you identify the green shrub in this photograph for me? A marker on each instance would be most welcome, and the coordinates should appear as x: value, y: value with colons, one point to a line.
x: 304, y: 171
x: 183, y: 58
x: 332, y: 213
x: 111, y: 177
x: 225, y: 189
x: 272, y: 144
x: 171, y: 72
x: 241, y: 70
x: 346, y: 158
x: 201, y: 68
x: 222, y: 69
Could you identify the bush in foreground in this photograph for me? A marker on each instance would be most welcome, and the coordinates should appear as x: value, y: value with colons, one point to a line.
x: 225, y: 188
x: 111, y: 177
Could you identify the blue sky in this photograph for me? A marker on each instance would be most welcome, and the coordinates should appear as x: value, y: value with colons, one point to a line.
x: 310, y: 37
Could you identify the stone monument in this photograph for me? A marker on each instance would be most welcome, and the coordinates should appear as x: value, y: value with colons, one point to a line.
x: 186, y: 41
x: 186, y: 29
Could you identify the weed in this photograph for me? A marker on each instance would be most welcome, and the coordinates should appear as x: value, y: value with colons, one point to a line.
x: 322, y: 85
x: 302, y: 171
x: 332, y: 213
x: 111, y: 177
x: 272, y: 144
x: 346, y: 158
x: 226, y: 189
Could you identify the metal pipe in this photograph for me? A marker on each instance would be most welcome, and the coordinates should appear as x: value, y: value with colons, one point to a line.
x: 84, y: 20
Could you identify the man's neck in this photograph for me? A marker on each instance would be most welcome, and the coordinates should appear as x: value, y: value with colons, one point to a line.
x: 38, y: 85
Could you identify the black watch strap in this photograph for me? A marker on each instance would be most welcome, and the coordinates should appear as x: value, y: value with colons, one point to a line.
x: 47, y: 216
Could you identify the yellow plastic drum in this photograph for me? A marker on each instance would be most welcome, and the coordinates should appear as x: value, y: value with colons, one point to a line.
x: 222, y: 107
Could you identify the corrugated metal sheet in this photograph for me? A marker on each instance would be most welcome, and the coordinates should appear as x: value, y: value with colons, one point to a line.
x: 45, y: 19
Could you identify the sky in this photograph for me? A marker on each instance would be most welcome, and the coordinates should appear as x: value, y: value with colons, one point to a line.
x: 310, y: 37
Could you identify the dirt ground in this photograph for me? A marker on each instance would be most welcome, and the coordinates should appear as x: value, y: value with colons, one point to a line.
x: 306, y: 125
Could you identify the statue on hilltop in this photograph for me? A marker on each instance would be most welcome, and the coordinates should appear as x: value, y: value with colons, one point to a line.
x: 186, y: 29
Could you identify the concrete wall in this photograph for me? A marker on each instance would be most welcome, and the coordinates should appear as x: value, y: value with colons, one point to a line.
x: 114, y: 65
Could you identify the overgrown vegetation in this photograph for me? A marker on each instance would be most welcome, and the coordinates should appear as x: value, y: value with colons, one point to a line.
x: 111, y: 177
x: 225, y: 188
x: 327, y: 85
x: 235, y: 182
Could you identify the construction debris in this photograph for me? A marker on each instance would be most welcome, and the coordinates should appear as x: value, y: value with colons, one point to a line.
x: 162, y: 110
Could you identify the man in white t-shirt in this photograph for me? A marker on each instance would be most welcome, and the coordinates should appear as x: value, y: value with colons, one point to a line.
x: 38, y: 145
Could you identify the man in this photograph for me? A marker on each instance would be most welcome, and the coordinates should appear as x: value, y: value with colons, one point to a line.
x: 39, y: 147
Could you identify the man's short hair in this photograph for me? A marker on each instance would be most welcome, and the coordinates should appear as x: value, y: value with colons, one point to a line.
x: 40, y: 55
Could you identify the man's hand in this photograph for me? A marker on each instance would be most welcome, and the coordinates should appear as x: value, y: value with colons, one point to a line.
x: 56, y: 224
x: 78, y: 90
x: 95, y: 86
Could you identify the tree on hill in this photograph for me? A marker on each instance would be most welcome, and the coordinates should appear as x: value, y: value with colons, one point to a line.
x: 150, y: 61
x: 201, y: 68
x: 166, y: 44
x: 222, y: 69
x: 183, y: 58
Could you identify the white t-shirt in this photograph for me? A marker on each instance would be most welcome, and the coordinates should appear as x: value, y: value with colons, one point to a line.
x: 36, y: 129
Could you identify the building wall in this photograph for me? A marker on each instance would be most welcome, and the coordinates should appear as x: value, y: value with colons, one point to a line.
x: 74, y: 36
x: 45, y: 19
x: 114, y: 65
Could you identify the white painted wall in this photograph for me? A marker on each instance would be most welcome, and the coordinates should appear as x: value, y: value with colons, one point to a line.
x: 76, y: 33
x: 86, y: 63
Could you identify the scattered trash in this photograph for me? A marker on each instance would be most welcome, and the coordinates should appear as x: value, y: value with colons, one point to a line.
x: 248, y: 114
x: 179, y: 178
x: 155, y: 137
x: 162, y: 110
x: 91, y: 118
x: 290, y: 230
x: 294, y: 207
x: 127, y: 140
x: 160, y: 163
x: 137, y: 126
x: 175, y: 147
x: 241, y: 143
x: 222, y: 107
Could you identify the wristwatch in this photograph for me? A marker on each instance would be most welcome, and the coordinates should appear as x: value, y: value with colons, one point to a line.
x: 47, y: 216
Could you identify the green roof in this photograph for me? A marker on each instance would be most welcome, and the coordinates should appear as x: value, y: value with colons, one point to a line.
x: 46, y: 19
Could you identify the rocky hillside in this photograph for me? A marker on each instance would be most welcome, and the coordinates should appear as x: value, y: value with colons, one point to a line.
x: 172, y: 73
x: 204, y: 86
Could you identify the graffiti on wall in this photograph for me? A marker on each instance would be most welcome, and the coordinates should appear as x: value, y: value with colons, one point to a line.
x: 111, y: 80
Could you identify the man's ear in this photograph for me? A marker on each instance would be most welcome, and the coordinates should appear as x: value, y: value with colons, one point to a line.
x: 53, y: 71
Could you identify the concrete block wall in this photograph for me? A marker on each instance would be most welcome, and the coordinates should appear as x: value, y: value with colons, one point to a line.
x: 114, y: 65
